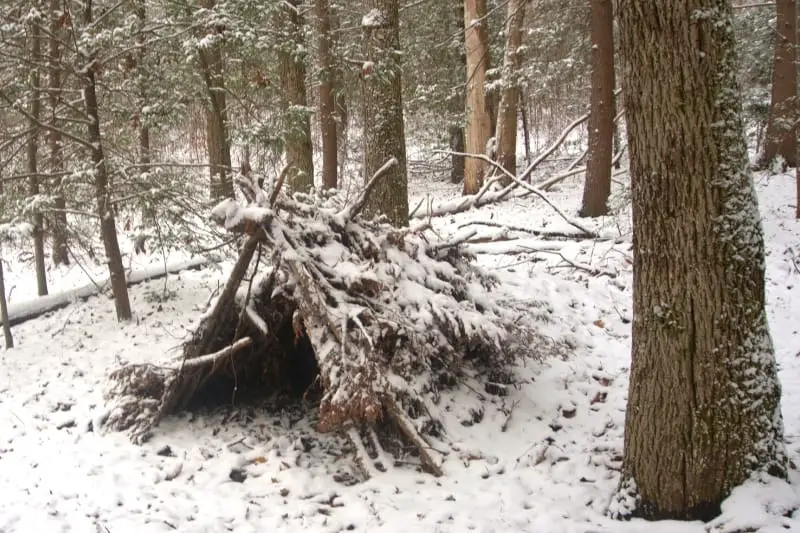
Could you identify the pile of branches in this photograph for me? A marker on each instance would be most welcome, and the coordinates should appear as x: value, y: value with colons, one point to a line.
x: 392, y: 317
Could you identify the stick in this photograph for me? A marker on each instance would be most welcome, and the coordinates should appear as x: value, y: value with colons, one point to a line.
x: 244, y: 342
x: 407, y: 428
x: 532, y: 231
x: 504, y: 426
x: 581, y: 266
x: 356, y: 207
x: 278, y: 185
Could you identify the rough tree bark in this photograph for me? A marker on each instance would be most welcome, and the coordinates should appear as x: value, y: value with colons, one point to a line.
x: 384, y: 134
x: 478, y: 130
x: 217, y: 135
x: 299, y: 154
x: 704, y: 400
x: 327, y: 102
x: 781, y: 138
x: 32, y: 152
x: 509, y: 97
x: 456, y: 104
x: 108, y: 228
x: 597, y: 186
x: 58, y: 220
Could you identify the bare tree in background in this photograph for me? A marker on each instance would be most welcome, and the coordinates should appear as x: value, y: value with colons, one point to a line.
x: 32, y: 148
x: 58, y: 219
x: 105, y: 211
x: 478, y: 129
x: 327, y: 101
x: 299, y: 153
x: 384, y: 131
x: 217, y: 128
x: 509, y: 98
x: 781, y: 136
x: 597, y: 186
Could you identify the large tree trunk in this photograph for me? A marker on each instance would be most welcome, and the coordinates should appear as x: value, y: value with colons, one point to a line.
x: 108, y: 228
x: 299, y: 153
x: 597, y: 186
x: 327, y: 102
x: 32, y: 149
x: 217, y: 134
x: 781, y: 139
x: 58, y: 221
x: 384, y: 135
x: 507, y: 112
x: 704, y: 400
x: 478, y: 128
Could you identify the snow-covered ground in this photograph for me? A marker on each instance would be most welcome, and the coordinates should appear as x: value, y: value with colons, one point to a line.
x: 553, y: 468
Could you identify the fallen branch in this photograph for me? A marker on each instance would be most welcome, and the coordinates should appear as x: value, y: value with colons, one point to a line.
x: 407, y: 428
x: 534, y: 231
x: 485, y: 195
x: 594, y: 271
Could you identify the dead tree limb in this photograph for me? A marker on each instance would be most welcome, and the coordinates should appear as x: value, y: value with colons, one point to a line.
x: 356, y: 207
x: 593, y: 270
x: 532, y: 231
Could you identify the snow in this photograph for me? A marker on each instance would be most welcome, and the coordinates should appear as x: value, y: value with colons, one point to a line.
x: 554, y: 468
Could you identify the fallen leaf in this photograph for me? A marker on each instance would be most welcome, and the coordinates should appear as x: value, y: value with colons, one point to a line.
x: 599, y: 323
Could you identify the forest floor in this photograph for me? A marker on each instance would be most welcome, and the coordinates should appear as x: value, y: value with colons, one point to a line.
x: 553, y: 469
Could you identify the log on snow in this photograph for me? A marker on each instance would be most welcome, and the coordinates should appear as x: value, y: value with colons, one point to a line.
x: 30, y: 309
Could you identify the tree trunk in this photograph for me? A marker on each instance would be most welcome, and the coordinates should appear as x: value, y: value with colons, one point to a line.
x: 781, y: 139
x: 32, y: 149
x: 478, y: 128
x: 456, y: 104
x: 108, y: 229
x: 217, y: 134
x: 457, y: 161
x: 327, y: 103
x: 143, y: 128
x: 297, y: 125
x: 58, y: 221
x: 507, y: 111
x: 384, y: 135
x: 597, y: 186
x: 704, y: 399
x: 9, y: 339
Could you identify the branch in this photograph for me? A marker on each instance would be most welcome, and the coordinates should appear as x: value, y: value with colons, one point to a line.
x: 48, y: 127
x: 593, y: 270
x: 278, y: 185
x: 531, y: 231
x: 354, y: 209
x: 244, y: 342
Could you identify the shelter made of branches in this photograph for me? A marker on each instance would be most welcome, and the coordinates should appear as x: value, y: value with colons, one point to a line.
x: 378, y: 319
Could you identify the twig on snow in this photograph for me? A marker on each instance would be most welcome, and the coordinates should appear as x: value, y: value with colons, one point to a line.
x: 594, y: 271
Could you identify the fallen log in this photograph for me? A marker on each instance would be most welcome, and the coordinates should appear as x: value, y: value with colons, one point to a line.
x: 30, y: 309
